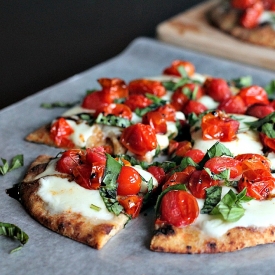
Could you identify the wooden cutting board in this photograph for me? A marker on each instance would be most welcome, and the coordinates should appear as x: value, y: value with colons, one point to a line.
x: 192, y: 30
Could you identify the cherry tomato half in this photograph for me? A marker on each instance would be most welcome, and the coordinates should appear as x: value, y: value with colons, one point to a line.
x: 195, y: 154
x: 251, y: 15
x: 217, y: 88
x: 253, y: 94
x: 259, y: 110
x: 179, y: 208
x: 233, y: 105
x: 96, y: 154
x: 193, y: 106
x: 135, y: 101
x: 156, y: 120
x: 173, y: 69
x: 268, y: 142
x: 146, y: 86
x: 158, y: 173
x: 253, y: 161
x: 132, y: 204
x: 116, y: 109
x: 115, y: 87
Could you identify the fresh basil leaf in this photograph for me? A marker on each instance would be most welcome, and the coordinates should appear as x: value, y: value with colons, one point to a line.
x: 270, y: 88
x: 170, y: 188
x: 222, y: 176
x: 217, y: 150
x: 16, y: 162
x: 213, y: 197
x: 57, y: 104
x: 87, y: 117
x: 112, y: 120
x: 150, y: 187
x: 14, y: 232
x: 5, y: 167
x: 241, y: 82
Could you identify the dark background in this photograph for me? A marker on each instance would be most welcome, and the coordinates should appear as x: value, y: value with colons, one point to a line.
x: 44, y: 42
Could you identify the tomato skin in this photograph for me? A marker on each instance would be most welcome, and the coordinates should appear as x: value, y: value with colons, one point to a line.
x: 139, y: 139
x: 219, y: 164
x: 135, y: 101
x: 129, y: 181
x: 195, y: 154
x: 179, y: 208
x: 268, y: 143
x: 96, y: 154
x: 251, y: 160
x: 69, y: 160
x: 146, y: 86
x: 182, y: 147
x: 217, y: 88
x: 173, y: 69
x: 132, y: 204
x: 168, y: 112
x: 259, y: 183
x: 218, y: 125
x: 60, y: 132
x: 253, y: 94
x: 158, y: 173
x: 199, y: 181
x: 156, y: 120
x: 259, y: 110
x: 233, y: 105
x: 116, y: 109
x: 193, y: 106
x: 242, y: 4
x: 115, y: 87
x: 96, y: 100
x: 251, y: 15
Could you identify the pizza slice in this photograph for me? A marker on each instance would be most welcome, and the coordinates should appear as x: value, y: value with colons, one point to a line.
x: 87, y: 196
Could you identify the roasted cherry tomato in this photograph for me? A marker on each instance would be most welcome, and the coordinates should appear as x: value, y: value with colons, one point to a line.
x: 96, y: 100
x: 96, y: 154
x: 193, y: 106
x: 146, y: 86
x: 259, y: 183
x: 259, y: 110
x: 60, y: 132
x: 182, y: 148
x: 132, y: 204
x: 218, y: 125
x: 219, y: 164
x: 181, y: 177
x: 139, y: 139
x: 251, y: 16
x: 268, y: 142
x: 199, y: 181
x: 253, y: 94
x: 195, y: 154
x: 179, y: 208
x: 116, y: 109
x: 253, y: 161
x: 168, y: 112
x: 158, y: 173
x: 69, y: 160
x: 233, y: 105
x: 135, y: 101
x: 115, y: 87
x: 156, y: 120
x: 129, y: 181
x: 217, y: 88
x: 242, y: 4
x: 174, y: 68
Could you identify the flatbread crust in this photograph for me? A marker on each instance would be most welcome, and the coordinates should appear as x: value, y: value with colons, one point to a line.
x: 94, y: 233
x: 191, y: 240
x: 226, y: 19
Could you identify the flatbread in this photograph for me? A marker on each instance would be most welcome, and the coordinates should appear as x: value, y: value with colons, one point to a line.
x: 94, y: 233
x: 226, y: 19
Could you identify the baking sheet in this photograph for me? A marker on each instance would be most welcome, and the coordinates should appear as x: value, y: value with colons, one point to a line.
x: 128, y: 252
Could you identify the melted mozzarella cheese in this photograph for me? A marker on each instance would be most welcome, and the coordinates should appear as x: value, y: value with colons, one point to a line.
x: 76, y: 110
x: 62, y: 195
x: 208, y: 102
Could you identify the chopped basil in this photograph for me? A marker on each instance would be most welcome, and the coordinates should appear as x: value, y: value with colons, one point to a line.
x: 222, y: 176
x: 230, y: 207
x: 14, y: 232
x: 165, y: 165
x: 170, y: 188
x: 264, y: 125
x: 87, y: 117
x: 112, y: 120
x: 213, y: 197
x: 270, y: 88
x: 16, y: 162
x: 108, y: 189
x: 241, y: 82
x: 57, y: 104
x: 150, y: 187
x: 94, y: 207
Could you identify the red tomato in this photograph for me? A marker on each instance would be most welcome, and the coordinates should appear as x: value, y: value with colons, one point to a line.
x: 242, y: 4
x: 156, y: 120
x: 96, y: 100
x: 218, y: 125
x: 199, y: 181
x: 179, y: 99
x: 219, y: 164
x: 253, y: 94
x: 120, y: 110
x: 139, y: 139
x: 182, y: 148
x: 233, y: 105
x: 168, y: 112
x: 96, y: 154
x: 195, y: 154
x: 115, y: 87
x: 193, y: 106
x: 146, y: 86
x: 217, y: 88
x: 157, y: 172
x: 268, y: 4
x: 268, y: 143
x: 69, y: 160
x: 179, y: 177
x: 253, y: 160
x: 179, y: 208
x: 60, y: 132
x: 173, y: 69
x: 135, y: 101
x: 259, y: 183
x: 132, y: 204
x: 129, y: 181
x: 251, y: 15
x: 259, y: 110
